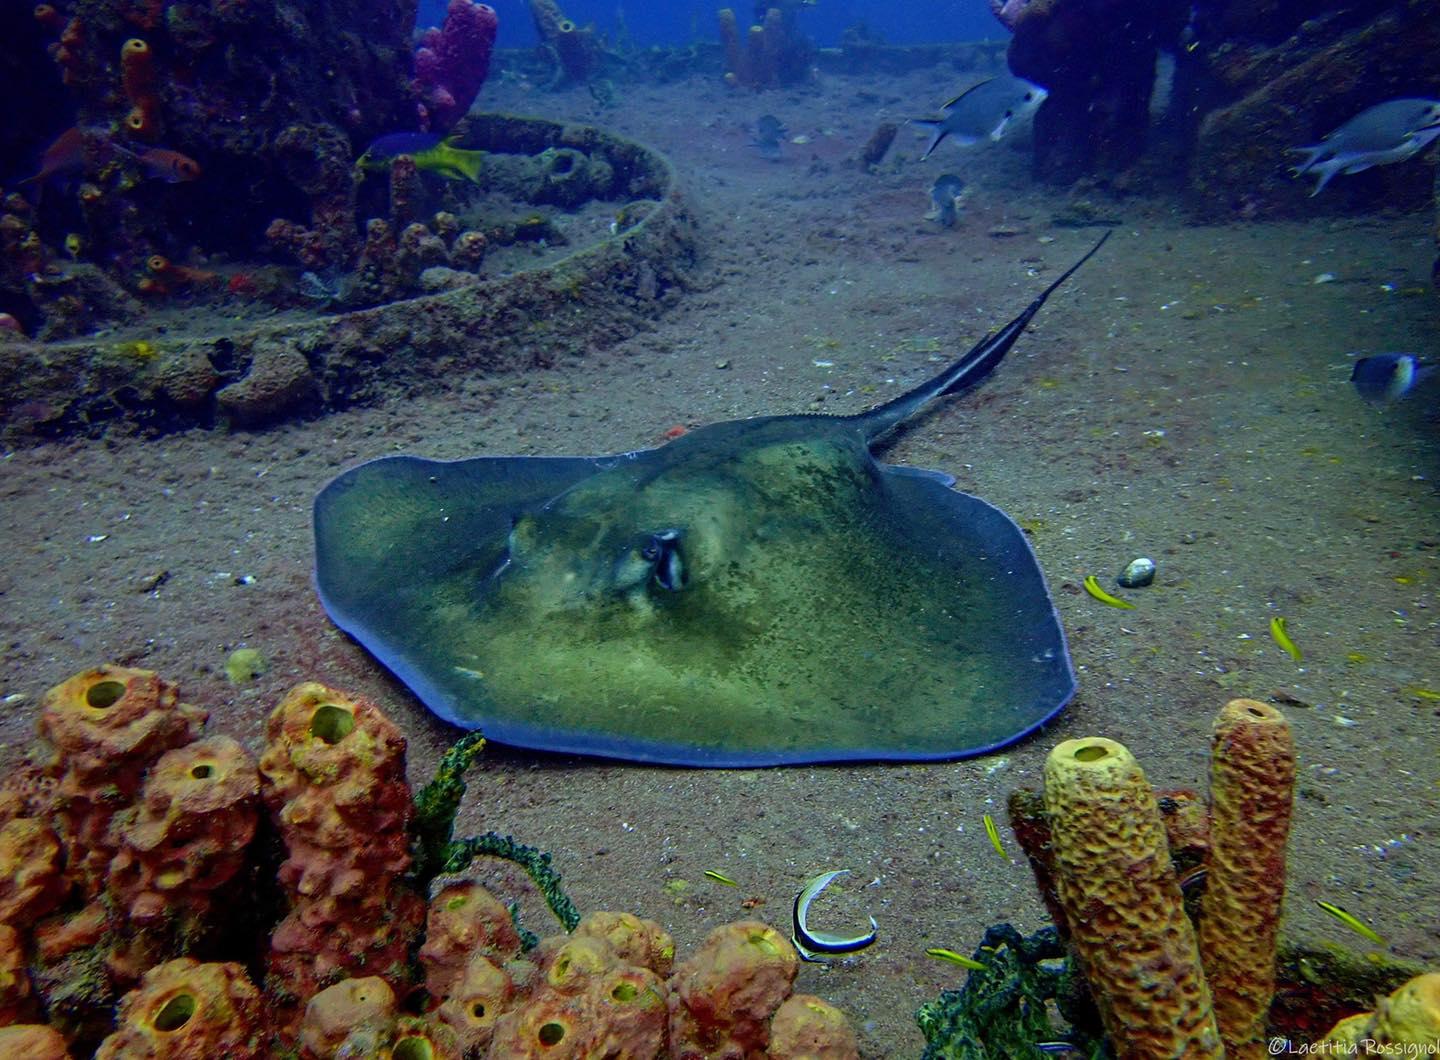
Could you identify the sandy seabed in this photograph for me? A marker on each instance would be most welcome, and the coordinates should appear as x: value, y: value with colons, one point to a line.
x: 1184, y: 397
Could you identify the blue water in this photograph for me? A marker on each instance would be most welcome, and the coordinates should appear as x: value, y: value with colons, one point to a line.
x: 682, y: 21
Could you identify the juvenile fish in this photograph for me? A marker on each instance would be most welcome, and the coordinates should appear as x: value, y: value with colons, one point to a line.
x: 815, y: 945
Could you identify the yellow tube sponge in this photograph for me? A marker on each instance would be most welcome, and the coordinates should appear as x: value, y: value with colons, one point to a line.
x: 366, y: 1005
x: 1252, y: 779
x: 186, y: 1010
x: 1127, y: 919
x: 806, y: 1028
x: 1408, y: 1017
x: 464, y: 919
x: 107, y: 727
x: 722, y: 998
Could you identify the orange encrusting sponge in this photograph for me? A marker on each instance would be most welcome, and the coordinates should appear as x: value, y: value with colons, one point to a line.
x: 1252, y: 778
x: 1123, y: 904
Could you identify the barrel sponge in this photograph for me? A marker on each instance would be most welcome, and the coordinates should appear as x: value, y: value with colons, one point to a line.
x: 189, y: 832
x: 34, y: 1041
x: 423, y: 1038
x: 338, y: 1011
x: 724, y: 995
x: 568, y: 965
x: 106, y: 727
x: 1123, y: 905
x: 185, y: 1010
x: 32, y: 881
x: 627, y: 1013
x: 333, y: 776
x: 548, y: 1024
x: 464, y: 919
x: 137, y: 76
x: 475, y: 1001
x: 635, y: 941
x: 1408, y: 1017
x: 617, y: 1010
x: 1252, y: 777
x: 809, y: 1028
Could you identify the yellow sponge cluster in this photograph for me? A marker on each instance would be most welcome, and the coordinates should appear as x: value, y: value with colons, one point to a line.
x: 1163, y: 990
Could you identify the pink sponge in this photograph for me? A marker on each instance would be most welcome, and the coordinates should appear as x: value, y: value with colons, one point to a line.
x: 452, y: 62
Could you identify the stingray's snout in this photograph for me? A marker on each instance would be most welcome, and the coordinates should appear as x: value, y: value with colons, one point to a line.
x: 662, y: 552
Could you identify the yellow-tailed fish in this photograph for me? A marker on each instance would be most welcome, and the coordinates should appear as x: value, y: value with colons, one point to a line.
x: 941, y: 954
x: 1279, y: 635
x: 1092, y: 586
x: 994, y: 835
x: 1351, y: 921
x: 720, y: 877
x: 815, y: 945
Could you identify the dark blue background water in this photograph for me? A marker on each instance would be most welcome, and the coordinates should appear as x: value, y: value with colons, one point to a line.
x: 682, y: 21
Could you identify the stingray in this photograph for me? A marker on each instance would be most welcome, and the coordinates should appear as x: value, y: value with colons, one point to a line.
x: 756, y: 592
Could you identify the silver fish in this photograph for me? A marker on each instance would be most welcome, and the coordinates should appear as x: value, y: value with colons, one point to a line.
x: 1387, y: 132
x: 984, y: 110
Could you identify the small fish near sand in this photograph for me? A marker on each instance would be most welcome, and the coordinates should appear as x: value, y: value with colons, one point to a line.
x: 1387, y: 132
x: 432, y: 153
x: 816, y: 945
x: 986, y: 110
x: 945, y: 196
x: 766, y: 136
x: 1386, y: 377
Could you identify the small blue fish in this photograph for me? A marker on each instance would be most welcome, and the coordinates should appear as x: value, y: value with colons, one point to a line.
x: 1387, y: 132
x: 1388, y: 376
x: 983, y: 110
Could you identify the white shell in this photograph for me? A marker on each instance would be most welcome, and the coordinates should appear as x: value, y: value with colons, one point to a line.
x: 1137, y: 572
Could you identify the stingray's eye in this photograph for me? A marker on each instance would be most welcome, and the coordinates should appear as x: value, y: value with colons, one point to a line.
x: 650, y: 552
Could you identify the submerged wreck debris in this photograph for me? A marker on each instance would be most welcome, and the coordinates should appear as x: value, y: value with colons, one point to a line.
x: 413, y: 298
x: 131, y: 831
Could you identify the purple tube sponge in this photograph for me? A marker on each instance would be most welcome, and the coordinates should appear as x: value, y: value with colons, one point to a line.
x: 451, y: 63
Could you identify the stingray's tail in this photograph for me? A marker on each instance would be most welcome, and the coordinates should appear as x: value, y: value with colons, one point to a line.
x: 967, y: 371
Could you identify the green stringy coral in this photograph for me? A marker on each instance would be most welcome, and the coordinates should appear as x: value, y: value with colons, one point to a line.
x: 435, y: 851
x: 1002, y: 1011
